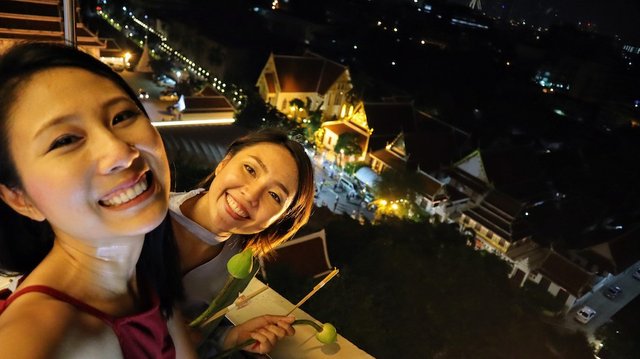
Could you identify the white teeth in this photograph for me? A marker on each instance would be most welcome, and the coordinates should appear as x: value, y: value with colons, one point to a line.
x: 236, y: 207
x: 128, y: 194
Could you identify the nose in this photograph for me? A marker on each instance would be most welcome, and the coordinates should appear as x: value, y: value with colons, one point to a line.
x: 252, y: 192
x: 114, y: 154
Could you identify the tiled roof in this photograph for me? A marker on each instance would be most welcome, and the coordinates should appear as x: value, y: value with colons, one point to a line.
x: 206, y: 104
x: 271, y: 82
x: 454, y: 195
x: 306, y: 256
x: 498, y: 212
x: 617, y: 254
x: 341, y: 128
x: 431, y: 150
x: 389, y: 159
x: 338, y: 128
x: 209, y: 91
x: 387, y: 121
x: 429, y: 186
x: 515, y: 170
x: 504, y: 203
x: 566, y: 274
x: 306, y: 74
x: 467, y: 180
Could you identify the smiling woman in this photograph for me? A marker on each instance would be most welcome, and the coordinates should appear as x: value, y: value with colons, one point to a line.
x: 257, y: 197
x: 83, y: 179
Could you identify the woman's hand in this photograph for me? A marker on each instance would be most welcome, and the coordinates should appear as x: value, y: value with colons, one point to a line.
x: 267, y: 330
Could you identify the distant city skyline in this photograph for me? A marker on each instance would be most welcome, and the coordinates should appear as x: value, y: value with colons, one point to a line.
x: 614, y: 17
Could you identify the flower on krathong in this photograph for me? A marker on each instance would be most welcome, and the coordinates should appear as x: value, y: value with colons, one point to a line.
x: 326, y: 334
x: 239, y: 267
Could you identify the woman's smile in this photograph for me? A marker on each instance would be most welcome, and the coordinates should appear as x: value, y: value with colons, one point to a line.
x: 129, y: 194
x: 235, y: 209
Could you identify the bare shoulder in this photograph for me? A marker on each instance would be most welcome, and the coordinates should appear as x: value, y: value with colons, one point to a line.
x: 37, y: 326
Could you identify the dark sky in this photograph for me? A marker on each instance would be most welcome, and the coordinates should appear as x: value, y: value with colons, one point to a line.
x: 620, y: 17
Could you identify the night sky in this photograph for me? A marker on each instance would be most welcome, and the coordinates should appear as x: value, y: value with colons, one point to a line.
x: 621, y: 17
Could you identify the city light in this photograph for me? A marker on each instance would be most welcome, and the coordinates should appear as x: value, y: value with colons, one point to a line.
x: 218, y: 121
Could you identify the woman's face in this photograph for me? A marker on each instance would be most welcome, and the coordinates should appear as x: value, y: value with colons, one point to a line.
x: 89, y: 160
x: 252, y: 189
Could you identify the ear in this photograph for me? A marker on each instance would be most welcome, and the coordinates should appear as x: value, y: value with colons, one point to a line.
x: 222, y: 164
x: 21, y: 203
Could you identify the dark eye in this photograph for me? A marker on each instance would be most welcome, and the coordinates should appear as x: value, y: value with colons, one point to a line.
x: 250, y: 170
x: 275, y: 197
x: 62, y: 141
x: 123, y: 116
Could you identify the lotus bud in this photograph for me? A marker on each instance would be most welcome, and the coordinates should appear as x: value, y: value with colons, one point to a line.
x: 328, y: 334
x: 241, y: 264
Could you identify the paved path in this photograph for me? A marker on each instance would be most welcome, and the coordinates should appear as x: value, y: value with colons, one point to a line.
x: 605, y: 307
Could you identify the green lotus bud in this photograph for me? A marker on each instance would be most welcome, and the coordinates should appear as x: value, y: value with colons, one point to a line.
x: 240, y: 265
x: 328, y: 335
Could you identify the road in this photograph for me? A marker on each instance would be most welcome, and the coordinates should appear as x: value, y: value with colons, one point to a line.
x: 156, y: 108
x: 332, y: 196
x: 605, y: 308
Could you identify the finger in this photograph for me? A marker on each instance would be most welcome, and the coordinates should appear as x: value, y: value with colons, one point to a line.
x: 287, y: 327
x: 278, y: 331
x: 262, y: 343
x: 271, y: 336
x: 273, y: 319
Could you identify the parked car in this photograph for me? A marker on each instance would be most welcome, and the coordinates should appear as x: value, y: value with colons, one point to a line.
x: 346, y: 185
x: 585, y: 314
x: 612, y: 291
x: 166, y: 81
x: 636, y: 273
x: 169, y: 96
x: 142, y: 94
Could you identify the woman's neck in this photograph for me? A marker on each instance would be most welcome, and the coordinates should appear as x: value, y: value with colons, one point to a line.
x: 197, y: 209
x: 110, y: 268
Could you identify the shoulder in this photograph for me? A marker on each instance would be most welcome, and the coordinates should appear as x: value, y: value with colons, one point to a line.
x: 176, y: 199
x: 36, y: 325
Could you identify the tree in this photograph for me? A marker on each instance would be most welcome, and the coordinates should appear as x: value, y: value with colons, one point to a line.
x: 396, y: 185
x: 349, y: 144
x: 415, y: 290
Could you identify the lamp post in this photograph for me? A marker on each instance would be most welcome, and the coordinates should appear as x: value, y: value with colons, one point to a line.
x: 127, y: 57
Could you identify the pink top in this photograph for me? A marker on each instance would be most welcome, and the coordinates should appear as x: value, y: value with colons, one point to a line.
x: 142, y: 335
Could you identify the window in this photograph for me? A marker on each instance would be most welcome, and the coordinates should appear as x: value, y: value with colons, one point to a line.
x: 466, y: 220
x: 329, y: 138
x: 477, y: 227
x: 489, y: 234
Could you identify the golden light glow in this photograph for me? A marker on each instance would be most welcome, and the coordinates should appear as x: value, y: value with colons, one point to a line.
x: 218, y: 121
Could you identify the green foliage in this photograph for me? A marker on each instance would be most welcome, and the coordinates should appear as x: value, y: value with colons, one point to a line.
x: 539, y: 298
x: 255, y: 113
x: 395, y: 185
x: 410, y: 290
x: 621, y: 336
x: 348, y: 142
x: 314, y: 121
x: 352, y: 167
x: 297, y: 103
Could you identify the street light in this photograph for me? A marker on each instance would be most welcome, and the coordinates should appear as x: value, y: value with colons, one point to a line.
x: 127, y: 57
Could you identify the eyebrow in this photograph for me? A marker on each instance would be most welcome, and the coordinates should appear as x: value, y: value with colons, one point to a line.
x: 64, y: 118
x: 265, y: 169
